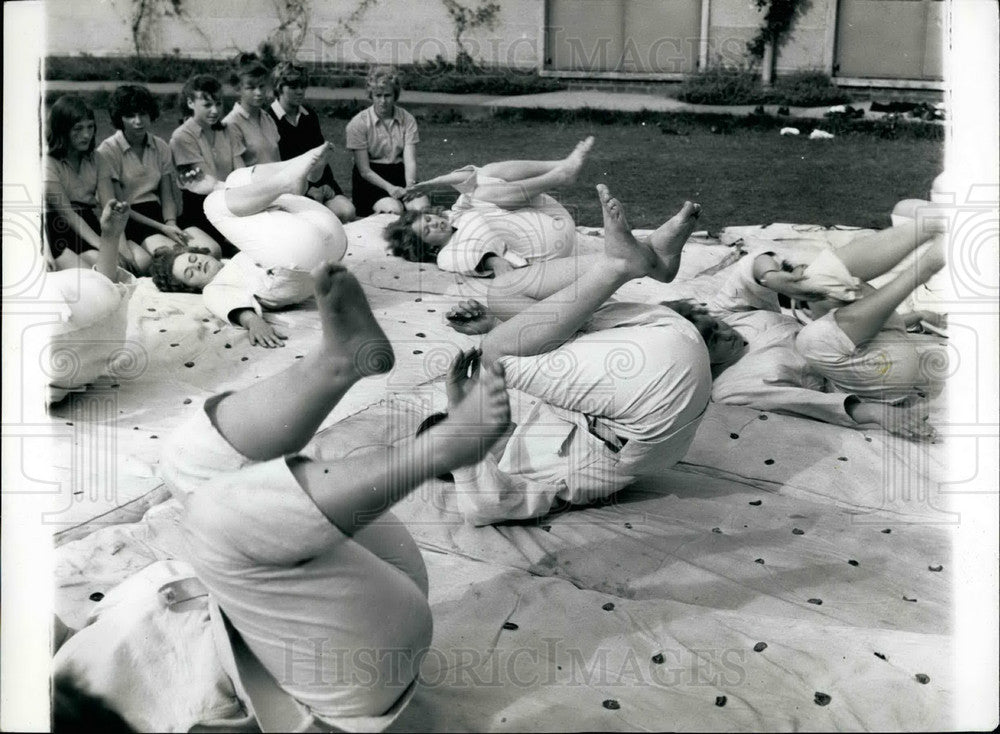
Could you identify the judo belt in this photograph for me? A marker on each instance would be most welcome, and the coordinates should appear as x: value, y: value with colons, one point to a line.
x: 274, y: 709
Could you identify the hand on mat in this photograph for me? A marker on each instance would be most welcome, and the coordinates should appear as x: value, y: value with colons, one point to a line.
x: 175, y: 233
x: 470, y: 317
x: 261, y: 333
x: 908, y: 421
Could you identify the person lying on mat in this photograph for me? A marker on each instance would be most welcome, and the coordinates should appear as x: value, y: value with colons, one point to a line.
x: 503, y: 219
x: 621, y: 387
x: 281, y: 236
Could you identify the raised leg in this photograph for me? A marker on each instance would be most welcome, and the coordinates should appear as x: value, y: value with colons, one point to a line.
x: 551, y: 321
x: 876, y: 254
x: 862, y: 319
x: 513, y: 192
x: 271, y: 180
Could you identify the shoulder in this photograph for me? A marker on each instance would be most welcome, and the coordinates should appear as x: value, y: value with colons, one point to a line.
x: 406, y: 117
x: 184, y: 134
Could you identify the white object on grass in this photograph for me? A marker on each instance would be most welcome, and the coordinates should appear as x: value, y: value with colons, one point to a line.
x: 820, y: 135
x: 837, y: 108
x: 789, y: 131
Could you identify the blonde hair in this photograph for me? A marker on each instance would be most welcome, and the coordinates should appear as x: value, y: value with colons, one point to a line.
x: 384, y: 76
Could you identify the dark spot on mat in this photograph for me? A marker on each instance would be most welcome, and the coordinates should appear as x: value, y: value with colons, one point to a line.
x: 299, y: 356
x: 96, y: 596
x: 217, y: 331
x: 432, y: 310
x: 769, y: 461
x: 509, y: 626
x: 135, y: 428
x: 887, y: 531
x: 421, y: 334
x: 69, y: 423
x: 755, y: 503
x: 853, y: 562
x: 395, y: 277
x: 717, y: 530
x: 935, y: 568
x: 151, y: 309
x: 558, y: 667
x: 798, y: 531
x: 628, y: 525
x: 821, y: 699
x: 417, y: 300
x: 922, y: 678
x: 720, y: 700
x: 244, y: 359
x: 880, y: 656
x: 303, y: 562
x: 817, y: 602
x: 546, y: 528
x: 175, y: 344
x: 418, y: 351
x: 189, y: 364
x: 906, y: 598
x: 841, y: 458
x: 609, y: 607
x: 762, y: 417
x: 163, y: 331
x: 759, y: 560
x: 658, y: 658
x: 611, y: 704
x: 116, y: 386
x: 326, y: 471
x: 205, y: 320
x: 734, y: 435
x: 79, y: 491
x: 760, y: 647
x: 868, y: 439
x: 229, y: 346
x: 154, y: 436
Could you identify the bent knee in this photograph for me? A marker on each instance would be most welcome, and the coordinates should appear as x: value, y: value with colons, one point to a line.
x: 387, y: 205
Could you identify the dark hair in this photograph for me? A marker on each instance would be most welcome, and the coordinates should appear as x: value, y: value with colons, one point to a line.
x: 404, y: 242
x: 383, y: 76
x: 288, y: 72
x: 161, y: 270
x: 64, y: 114
x: 205, y: 84
x: 706, y: 324
x: 248, y: 66
x: 129, y: 99
x: 76, y: 710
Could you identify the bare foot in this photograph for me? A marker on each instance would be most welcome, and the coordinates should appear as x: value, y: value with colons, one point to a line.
x: 113, y: 220
x: 571, y: 164
x: 478, y: 411
x: 634, y: 258
x: 297, y: 171
x: 352, y: 339
x: 670, y: 237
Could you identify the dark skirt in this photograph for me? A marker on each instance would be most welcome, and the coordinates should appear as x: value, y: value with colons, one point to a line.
x: 193, y: 215
x: 364, y: 194
x: 137, y: 231
x: 61, y: 236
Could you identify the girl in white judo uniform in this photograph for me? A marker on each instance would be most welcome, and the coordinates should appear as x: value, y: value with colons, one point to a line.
x: 504, y: 218
x: 327, y: 589
x: 281, y: 234
x: 621, y: 387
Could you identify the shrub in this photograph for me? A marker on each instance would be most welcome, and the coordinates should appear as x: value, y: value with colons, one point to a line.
x: 722, y: 85
x: 806, y: 89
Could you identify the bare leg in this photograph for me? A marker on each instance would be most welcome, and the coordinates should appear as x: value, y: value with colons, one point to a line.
x: 518, y: 192
x: 862, y: 319
x: 669, y: 239
x: 114, y: 217
x: 548, y: 323
x: 278, y: 416
x: 271, y: 180
x: 876, y: 254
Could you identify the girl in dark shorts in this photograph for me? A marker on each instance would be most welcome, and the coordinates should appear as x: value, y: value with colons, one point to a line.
x: 136, y: 166
x: 72, y: 230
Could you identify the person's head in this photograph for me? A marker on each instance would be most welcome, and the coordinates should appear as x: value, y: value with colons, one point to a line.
x: 383, y: 88
x: 724, y: 344
x: 418, y: 236
x: 290, y: 81
x: 201, y: 98
x: 252, y: 80
x: 132, y: 109
x: 70, y: 128
x: 183, y: 269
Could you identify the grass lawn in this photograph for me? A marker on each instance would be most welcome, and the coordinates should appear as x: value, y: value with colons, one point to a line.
x: 745, y: 177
